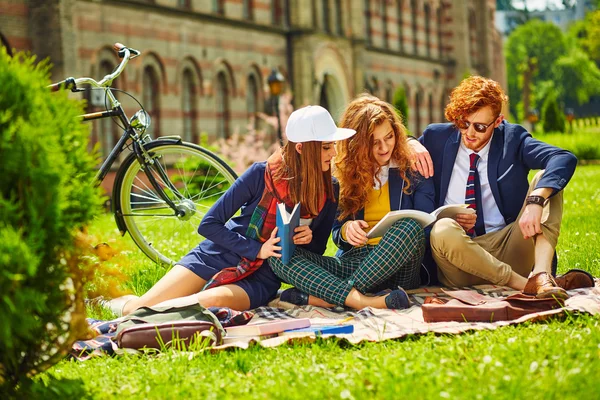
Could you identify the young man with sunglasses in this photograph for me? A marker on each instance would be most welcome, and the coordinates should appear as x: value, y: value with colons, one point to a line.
x: 482, y: 160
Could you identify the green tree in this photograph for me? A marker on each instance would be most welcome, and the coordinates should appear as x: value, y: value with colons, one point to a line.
x: 587, y: 35
x: 579, y: 77
x: 400, y: 102
x: 531, y: 51
x: 553, y: 119
x: 45, y: 195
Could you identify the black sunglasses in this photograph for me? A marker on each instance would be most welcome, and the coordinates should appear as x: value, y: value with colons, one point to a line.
x: 481, y: 128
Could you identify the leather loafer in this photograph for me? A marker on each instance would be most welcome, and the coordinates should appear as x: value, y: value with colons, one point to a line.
x: 294, y: 296
x: 575, y: 279
x: 543, y: 286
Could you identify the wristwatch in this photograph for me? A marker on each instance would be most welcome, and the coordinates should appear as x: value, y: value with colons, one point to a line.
x: 539, y: 200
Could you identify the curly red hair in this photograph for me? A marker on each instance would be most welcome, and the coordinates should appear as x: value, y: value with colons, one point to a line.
x: 472, y: 94
x: 355, y: 165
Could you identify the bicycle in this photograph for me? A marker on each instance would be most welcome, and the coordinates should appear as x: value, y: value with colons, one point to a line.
x: 164, y: 186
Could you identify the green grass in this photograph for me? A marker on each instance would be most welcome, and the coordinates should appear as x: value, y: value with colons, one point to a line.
x: 555, y: 359
x: 584, y: 142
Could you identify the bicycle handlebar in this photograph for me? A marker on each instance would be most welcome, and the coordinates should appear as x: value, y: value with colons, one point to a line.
x: 124, y: 52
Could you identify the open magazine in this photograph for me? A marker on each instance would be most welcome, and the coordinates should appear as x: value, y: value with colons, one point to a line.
x: 423, y: 218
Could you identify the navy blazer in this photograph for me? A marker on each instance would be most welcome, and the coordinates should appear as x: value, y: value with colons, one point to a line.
x: 226, y: 242
x: 420, y: 197
x: 513, y: 153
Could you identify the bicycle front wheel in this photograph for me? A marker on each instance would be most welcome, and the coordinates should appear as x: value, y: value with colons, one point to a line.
x: 193, y: 178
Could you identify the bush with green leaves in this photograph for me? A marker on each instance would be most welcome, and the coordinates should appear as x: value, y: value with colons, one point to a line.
x: 552, y: 116
x: 46, y: 194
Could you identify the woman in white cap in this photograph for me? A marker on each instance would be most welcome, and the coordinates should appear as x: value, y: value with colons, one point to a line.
x: 231, y: 268
x: 373, y: 168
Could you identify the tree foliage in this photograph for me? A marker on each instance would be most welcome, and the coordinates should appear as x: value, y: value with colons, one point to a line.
x: 400, y: 102
x: 553, y: 119
x: 45, y: 194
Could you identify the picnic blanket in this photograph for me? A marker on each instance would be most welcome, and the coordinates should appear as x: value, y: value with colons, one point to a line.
x: 370, y: 324
x: 375, y: 325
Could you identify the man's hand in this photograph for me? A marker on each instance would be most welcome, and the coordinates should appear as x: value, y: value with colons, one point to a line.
x: 531, y: 221
x: 421, y: 159
x: 467, y: 221
x: 355, y: 234
x: 303, y: 235
x: 269, y: 248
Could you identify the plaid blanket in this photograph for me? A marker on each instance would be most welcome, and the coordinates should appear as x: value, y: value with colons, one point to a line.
x: 375, y: 325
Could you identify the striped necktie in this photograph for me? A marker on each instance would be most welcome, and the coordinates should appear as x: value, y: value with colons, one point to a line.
x: 470, y: 196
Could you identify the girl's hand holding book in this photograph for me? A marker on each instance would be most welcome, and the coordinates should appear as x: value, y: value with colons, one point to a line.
x: 270, y: 248
x: 355, y: 233
x: 303, y: 235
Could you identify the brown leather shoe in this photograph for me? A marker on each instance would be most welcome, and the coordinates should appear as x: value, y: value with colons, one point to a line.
x: 543, y: 286
x: 575, y: 279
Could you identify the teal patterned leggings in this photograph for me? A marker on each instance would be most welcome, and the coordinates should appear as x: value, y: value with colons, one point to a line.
x: 395, y: 261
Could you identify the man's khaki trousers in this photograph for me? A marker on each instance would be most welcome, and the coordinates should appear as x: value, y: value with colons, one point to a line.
x: 490, y: 258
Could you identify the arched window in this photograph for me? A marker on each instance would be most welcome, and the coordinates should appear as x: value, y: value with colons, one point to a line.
x: 219, y: 7
x: 277, y: 12
x: 339, y: 21
x: 418, y: 104
x: 399, y: 15
x: 383, y: 15
x: 413, y: 13
x: 439, y: 32
x: 187, y: 4
x: 222, y: 103
x: 252, y: 99
x: 4, y: 43
x: 389, y: 92
x: 248, y: 11
x: 367, y: 12
x: 443, y: 106
x: 189, y: 106
x: 430, y: 106
x: 326, y: 17
x: 427, y: 30
x: 151, y: 98
x: 105, y: 131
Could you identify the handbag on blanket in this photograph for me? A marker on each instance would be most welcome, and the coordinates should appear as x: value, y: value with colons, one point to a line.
x: 470, y: 306
x: 155, y: 327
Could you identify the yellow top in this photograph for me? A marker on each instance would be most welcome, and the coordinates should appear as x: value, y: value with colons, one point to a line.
x: 378, y: 204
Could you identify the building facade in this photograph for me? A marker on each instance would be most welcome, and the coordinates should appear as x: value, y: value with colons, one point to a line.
x: 205, y: 63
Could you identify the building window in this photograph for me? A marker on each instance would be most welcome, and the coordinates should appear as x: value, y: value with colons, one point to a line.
x: 219, y: 7
x: 427, y: 28
x: 326, y: 18
x: 473, y: 37
x: 187, y: 4
x: 399, y: 14
x: 418, y: 104
x: 439, y: 32
x: 277, y: 12
x: 189, y: 107
x: 248, y: 11
x: 389, y: 93
x: 430, y: 106
x: 107, y: 132
x: 339, y: 20
x: 252, y: 100
x: 383, y: 15
x: 367, y: 12
x: 151, y: 99
x: 413, y: 12
x: 443, y: 106
x: 222, y: 103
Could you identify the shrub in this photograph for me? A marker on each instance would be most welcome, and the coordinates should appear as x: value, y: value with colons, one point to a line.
x: 401, y: 104
x: 45, y: 193
x: 552, y: 117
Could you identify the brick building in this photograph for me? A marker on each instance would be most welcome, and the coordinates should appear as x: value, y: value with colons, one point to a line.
x: 205, y: 63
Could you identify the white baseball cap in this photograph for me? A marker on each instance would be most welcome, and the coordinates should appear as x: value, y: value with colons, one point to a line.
x: 314, y: 123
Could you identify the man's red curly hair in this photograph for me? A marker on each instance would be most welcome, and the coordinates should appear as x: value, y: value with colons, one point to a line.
x: 472, y: 94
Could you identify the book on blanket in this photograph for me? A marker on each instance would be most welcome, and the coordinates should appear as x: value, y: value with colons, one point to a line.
x: 423, y: 218
x: 320, y: 330
x: 286, y: 224
x: 267, y: 328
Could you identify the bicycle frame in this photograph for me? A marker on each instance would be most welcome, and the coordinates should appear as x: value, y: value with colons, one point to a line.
x: 116, y: 110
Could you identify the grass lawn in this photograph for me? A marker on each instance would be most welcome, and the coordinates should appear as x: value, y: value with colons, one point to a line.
x: 555, y: 359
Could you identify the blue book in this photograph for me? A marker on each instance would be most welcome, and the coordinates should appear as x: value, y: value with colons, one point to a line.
x: 321, y: 330
x: 286, y: 224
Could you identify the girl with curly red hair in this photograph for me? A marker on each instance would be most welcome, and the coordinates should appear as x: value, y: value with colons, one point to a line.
x: 375, y: 177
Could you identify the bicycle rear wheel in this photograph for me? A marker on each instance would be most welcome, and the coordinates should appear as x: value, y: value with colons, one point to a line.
x: 196, y: 179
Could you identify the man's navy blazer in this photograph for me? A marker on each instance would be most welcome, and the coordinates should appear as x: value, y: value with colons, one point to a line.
x: 513, y: 153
